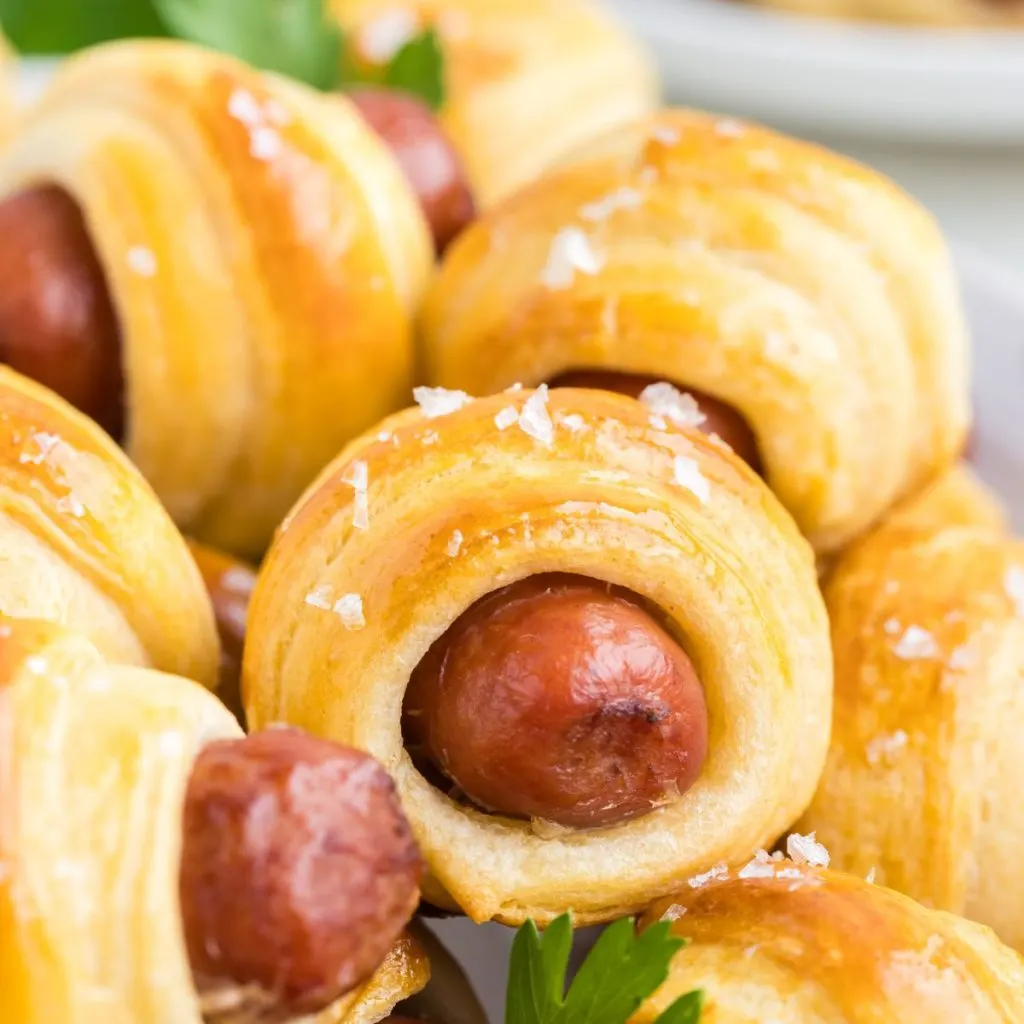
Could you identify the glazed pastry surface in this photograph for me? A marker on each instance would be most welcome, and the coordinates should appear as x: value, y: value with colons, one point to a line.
x: 922, y: 776
x: 797, y: 944
x: 414, y: 523
x: 94, y: 765
x: 84, y: 541
x: 804, y: 291
x: 263, y: 254
x: 527, y: 80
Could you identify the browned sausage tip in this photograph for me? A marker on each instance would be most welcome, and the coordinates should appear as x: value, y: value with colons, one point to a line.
x: 298, y: 871
x: 560, y: 698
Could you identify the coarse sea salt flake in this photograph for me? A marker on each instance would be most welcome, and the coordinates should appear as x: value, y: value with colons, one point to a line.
x: 720, y: 870
x: 687, y: 474
x: 440, y: 401
x: 760, y: 867
x: 574, y: 422
x: 507, y: 416
x: 665, y: 134
x: 45, y: 443
x: 916, y: 644
x: 349, y: 608
x: 454, y: 543
x: 321, y: 597
x: 886, y: 748
x: 621, y: 199
x: 870, y: 876
x: 570, y: 253
x: 892, y: 626
x: 70, y: 505
x: 534, y: 419
x: 357, y: 475
x: 807, y: 850
x: 36, y: 664
x: 663, y: 399
x: 265, y: 143
x: 962, y: 658
x: 1013, y: 583
x: 244, y: 107
x: 142, y: 261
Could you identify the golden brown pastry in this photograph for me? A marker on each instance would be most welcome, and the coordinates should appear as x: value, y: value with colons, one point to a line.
x: 528, y: 80
x: 808, y: 304
x: 922, y: 780
x: 591, y: 651
x: 947, y: 13
x: 791, y: 943
x: 84, y: 541
x: 236, y: 258
x: 109, y: 777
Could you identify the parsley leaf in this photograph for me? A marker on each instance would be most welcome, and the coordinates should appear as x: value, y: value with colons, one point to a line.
x: 291, y: 37
x: 61, y: 26
x: 622, y: 970
x: 418, y: 67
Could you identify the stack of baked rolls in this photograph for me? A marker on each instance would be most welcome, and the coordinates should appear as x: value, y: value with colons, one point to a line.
x: 805, y: 303
x: 563, y: 629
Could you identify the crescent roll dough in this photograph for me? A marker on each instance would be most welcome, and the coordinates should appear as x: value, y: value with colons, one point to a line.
x: 923, y: 776
x: 84, y: 541
x: 806, y: 292
x: 527, y: 80
x: 94, y: 764
x: 794, y: 944
x: 411, y: 525
x: 263, y: 253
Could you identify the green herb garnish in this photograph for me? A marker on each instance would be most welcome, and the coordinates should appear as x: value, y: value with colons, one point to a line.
x: 622, y: 970
x: 61, y: 26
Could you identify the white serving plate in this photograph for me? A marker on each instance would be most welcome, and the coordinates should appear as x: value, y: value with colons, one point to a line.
x: 830, y: 77
x: 995, y: 305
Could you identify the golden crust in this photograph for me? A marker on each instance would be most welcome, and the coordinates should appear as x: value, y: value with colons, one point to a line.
x: 923, y: 773
x: 808, y: 945
x: 528, y: 80
x: 456, y: 507
x: 263, y: 253
x: 806, y: 292
x: 94, y: 763
x: 84, y: 541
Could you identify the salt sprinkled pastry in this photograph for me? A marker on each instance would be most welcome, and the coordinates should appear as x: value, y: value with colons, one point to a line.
x: 923, y: 776
x: 527, y: 80
x: 237, y: 258
x: 592, y: 652
x: 790, y: 942
x: 806, y: 304
x: 84, y: 542
x: 133, y: 887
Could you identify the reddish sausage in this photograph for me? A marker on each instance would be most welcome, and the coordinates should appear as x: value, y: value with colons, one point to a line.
x: 230, y: 584
x: 426, y: 155
x: 560, y: 698
x: 720, y: 418
x: 57, y: 322
x: 298, y: 870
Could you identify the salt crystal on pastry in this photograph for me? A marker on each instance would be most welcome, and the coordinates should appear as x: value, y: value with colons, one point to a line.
x: 36, y: 664
x: 45, y: 443
x: 720, y: 870
x: 142, y: 261
x: 349, y: 608
x: 574, y: 422
x: 892, y: 626
x: 436, y: 402
x: 870, y: 876
x: 358, y: 477
x: 71, y: 506
x: 265, y: 144
x: 760, y: 867
x: 1013, y: 583
x: 915, y: 644
x: 688, y: 475
x: 455, y: 543
x: 665, y: 400
x: 665, y: 135
x: 570, y: 252
x: 886, y: 748
x: 807, y: 850
x: 534, y: 419
x: 624, y: 198
x: 244, y: 107
x: 961, y: 658
x: 321, y: 597
x: 507, y: 416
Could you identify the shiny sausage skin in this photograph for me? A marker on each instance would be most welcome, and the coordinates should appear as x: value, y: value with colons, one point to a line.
x: 721, y: 419
x: 560, y: 698
x: 298, y: 871
x: 230, y: 585
x: 431, y: 165
x: 57, y: 321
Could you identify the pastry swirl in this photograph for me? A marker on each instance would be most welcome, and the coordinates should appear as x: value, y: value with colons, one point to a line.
x: 412, y: 525
x: 262, y: 254
x: 804, y: 292
x: 922, y: 775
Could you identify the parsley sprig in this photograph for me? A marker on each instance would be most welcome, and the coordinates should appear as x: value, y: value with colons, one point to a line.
x: 298, y: 38
x: 621, y: 971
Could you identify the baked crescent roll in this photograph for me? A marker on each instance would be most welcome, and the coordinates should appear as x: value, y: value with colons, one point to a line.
x: 922, y: 780
x: 807, y: 298
x: 527, y: 80
x: 261, y: 253
x: 84, y: 541
x: 619, y: 604
x: 795, y: 944
x: 94, y: 767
